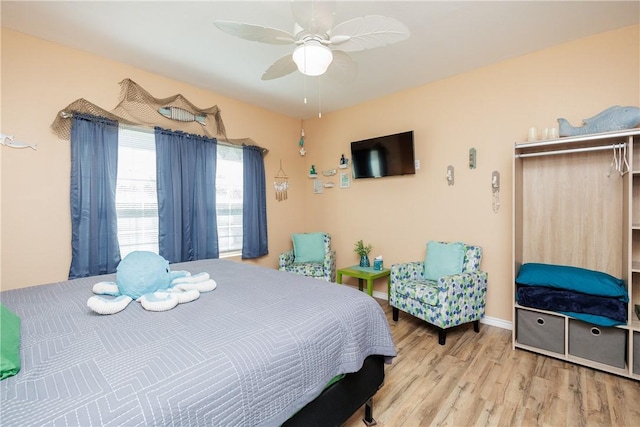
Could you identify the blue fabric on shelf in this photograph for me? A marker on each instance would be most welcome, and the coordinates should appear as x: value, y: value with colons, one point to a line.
x: 572, y: 279
x: 592, y: 319
x: 603, y: 311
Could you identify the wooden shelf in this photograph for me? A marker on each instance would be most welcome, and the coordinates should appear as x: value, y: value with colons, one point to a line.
x: 557, y: 221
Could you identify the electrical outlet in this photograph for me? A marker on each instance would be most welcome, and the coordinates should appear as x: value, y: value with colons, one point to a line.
x: 417, y: 164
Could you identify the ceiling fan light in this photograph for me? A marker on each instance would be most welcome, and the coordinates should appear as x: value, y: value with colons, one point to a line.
x: 312, y: 58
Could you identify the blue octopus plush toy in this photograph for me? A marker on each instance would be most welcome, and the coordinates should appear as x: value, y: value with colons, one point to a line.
x: 145, y: 277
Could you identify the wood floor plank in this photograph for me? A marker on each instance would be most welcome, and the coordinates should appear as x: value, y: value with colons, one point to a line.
x: 477, y: 379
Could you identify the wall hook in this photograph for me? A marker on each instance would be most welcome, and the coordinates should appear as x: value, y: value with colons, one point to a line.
x: 450, y: 175
x: 8, y: 141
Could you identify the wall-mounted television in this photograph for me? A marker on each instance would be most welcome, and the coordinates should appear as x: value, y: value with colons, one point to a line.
x: 383, y: 156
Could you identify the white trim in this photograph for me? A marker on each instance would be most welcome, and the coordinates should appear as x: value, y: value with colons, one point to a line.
x: 492, y: 321
x: 380, y: 295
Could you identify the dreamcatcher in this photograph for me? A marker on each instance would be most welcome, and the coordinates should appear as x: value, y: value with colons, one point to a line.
x: 281, y: 184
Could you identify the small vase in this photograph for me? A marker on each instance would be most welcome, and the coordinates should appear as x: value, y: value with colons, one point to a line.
x: 364, y: 261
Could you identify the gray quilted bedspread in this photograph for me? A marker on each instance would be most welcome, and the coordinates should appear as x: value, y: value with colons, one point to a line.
x: 252, y: 352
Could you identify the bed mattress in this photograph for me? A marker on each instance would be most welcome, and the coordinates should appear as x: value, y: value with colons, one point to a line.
x: 254, y: 351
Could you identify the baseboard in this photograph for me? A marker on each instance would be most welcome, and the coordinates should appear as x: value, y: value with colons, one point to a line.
x: 491, y: 321
x: 379, y: 295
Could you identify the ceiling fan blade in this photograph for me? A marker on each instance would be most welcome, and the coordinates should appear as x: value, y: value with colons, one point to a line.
x: 255, y: 32
x: 343, y: 68
x: 368, y: 32
x: 280, y: 68
x: 315, y: 17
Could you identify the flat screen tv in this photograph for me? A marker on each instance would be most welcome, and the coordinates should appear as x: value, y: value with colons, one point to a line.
x: 383, y: 156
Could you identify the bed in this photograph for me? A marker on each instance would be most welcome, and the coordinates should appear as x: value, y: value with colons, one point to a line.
x: 258, y: 350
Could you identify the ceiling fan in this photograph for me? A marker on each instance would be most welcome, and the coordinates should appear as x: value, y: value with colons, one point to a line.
x: 320, y: 46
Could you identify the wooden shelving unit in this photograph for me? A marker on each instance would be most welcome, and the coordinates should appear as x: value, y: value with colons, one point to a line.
x: 571, y: 208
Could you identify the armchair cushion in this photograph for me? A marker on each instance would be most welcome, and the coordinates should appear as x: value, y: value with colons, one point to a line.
x: 443, y: 259
x: 308, y: 247
x: 425, y: 291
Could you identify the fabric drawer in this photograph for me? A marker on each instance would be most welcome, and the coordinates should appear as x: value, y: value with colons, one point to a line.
x: 598, y: 343
x: 636, y: 353
x: 540, y: 330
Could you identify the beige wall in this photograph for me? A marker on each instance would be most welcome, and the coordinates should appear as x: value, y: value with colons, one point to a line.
x: 39, y: 79
x: 488, y: 109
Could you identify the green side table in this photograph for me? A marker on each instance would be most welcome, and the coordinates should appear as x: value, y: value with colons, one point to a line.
x: 364, y: 273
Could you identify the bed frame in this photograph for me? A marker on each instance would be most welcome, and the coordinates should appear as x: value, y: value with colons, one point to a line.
x: 342, y: 399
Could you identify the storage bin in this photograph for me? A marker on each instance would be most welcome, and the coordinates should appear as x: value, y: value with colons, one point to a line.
x: 598, y: 343
x: 636, y: 353
x: 541, y: 330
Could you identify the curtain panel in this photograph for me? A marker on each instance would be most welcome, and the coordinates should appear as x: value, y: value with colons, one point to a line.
x: 186, y: 182
x: 254, y: 215
x: 94, y: 228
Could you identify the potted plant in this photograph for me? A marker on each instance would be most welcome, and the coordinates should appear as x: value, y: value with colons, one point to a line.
x: 363, y: 251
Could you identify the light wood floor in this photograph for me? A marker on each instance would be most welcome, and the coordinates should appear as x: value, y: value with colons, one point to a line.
x: 478, y: 380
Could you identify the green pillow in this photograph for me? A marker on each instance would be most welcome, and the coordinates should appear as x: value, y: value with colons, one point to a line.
x: 443, y: 259
x: 308, y: 247
x: 9, y: 343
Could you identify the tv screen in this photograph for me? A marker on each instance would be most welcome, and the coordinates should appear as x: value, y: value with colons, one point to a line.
x: 383, y: 156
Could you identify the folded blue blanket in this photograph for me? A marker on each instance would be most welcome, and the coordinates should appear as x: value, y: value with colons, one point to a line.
x: 572, y: 279
x: 603, y: 311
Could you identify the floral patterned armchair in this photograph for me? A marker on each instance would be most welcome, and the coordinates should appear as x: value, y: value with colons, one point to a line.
x: 449, y: 301
x: 325, y: 269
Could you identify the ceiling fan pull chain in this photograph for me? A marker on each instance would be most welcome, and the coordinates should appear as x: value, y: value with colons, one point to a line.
x: 304, y: 79
x: 319, y: 100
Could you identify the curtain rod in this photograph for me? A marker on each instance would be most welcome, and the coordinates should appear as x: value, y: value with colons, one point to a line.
x: 224, y: 141
x: 572, y: 150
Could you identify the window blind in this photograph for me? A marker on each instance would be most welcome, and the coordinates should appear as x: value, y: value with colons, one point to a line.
x: 136, y: 196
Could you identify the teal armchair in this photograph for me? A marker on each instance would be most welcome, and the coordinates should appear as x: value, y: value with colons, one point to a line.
x: 323, y: 267
x: 445, y: 302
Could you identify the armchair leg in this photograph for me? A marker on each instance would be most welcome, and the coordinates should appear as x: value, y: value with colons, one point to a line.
x: 476, y: 326
x: 395, y: 312
x: 442, y: 336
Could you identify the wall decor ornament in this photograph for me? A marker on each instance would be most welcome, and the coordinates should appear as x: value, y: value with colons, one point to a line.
x: 612, y: 119
x: 345, y: 181
x: 281, y: 184
x: 302, y: 151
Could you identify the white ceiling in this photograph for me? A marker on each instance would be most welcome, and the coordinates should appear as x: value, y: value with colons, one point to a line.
x: 177, y: 39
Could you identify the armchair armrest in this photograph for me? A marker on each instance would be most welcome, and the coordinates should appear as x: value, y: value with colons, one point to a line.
x: 329, y: 265
x: 329, y: 260
x: 406, y: 271
x: 465, y: 286
x: 285, y: 259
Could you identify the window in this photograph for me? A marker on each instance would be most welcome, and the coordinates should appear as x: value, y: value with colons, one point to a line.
x: 136, y: 197
x: 229, y: 185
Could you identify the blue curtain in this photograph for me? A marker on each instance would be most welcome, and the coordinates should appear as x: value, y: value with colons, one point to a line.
x: 94, y: 225
x: 254, y: 211
x: 186, y: 180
